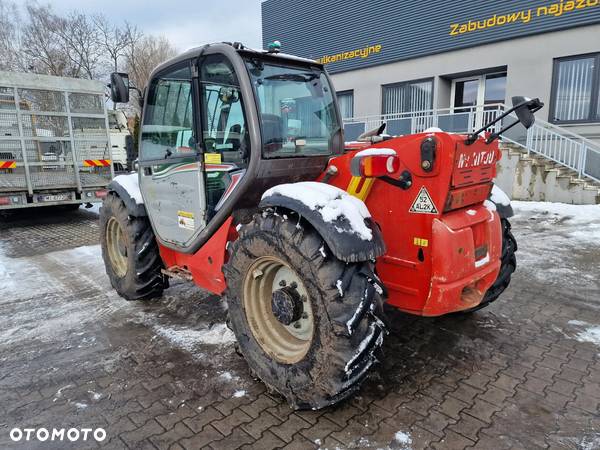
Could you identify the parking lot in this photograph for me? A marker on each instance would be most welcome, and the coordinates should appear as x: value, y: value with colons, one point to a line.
x: 523, y: 373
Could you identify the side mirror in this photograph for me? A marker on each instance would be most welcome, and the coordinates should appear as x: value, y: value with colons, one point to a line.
x: 525, y: 108
x: 119, y: 87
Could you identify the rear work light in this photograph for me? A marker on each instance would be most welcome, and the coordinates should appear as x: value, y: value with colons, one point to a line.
x: 372, y: 166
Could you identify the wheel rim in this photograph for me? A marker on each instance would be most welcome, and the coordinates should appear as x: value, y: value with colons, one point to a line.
x: 117, y: 247
x: 287, y: 344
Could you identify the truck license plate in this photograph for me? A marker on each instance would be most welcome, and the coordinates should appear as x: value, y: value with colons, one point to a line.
x: 54, y: 198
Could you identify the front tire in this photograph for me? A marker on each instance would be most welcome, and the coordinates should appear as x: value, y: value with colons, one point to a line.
x: 130, y: 252
x: 507, y: 267
x: 305, y: 321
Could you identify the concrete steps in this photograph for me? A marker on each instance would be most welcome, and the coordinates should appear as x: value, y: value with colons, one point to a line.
x: 534, y: 177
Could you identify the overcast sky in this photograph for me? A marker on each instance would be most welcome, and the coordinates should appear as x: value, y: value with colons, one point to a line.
x: 187, y: 23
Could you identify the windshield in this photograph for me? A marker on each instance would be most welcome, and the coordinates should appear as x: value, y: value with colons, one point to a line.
x: 296, y: 109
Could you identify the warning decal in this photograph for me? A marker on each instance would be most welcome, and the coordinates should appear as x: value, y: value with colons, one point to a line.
x: 186, y: 220
x: 423, y: 203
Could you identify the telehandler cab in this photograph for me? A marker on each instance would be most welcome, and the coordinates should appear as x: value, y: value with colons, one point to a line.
x: 245, y: 187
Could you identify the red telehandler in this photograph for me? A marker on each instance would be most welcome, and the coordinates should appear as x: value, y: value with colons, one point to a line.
x: 244, y: 186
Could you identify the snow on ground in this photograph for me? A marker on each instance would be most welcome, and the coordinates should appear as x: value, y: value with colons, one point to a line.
x: 586, y: 332
x: 52, y: 277
x: 228, y: 377
x: 589, y: 443
x: 12, y: 273
x: 541, y: 228
x: 95, y: 208
x: 581, y: 222
x: 559, y: 247
x: 56, y: 276
x: 578, y: 213
x: 403, y: 439
x: 192, y: 340
x: 331, y: 202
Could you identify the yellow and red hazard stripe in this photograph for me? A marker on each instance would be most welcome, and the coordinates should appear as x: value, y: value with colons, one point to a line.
x: 8, y: 164
x: 96, y: 162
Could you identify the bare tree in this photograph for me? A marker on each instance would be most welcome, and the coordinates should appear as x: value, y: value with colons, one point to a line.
x: 42, y: 45
x: 116, y: 40
x: 77, y: 45
x: 81, y: 43
x: 10, y: 36
x: 144, y: 55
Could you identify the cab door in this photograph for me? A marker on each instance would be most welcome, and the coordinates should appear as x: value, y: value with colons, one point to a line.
x: 171, y: 172
x: 225, y: 138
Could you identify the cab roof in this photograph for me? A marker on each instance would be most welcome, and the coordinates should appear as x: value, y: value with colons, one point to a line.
x: 240, y: 48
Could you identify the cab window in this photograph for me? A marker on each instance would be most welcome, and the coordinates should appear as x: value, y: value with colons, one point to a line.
x: 224, y: 129
x: 296, y: 109
x: 167, y: 130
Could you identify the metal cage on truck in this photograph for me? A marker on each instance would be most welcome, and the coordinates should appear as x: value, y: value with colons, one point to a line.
x: 54, y: 141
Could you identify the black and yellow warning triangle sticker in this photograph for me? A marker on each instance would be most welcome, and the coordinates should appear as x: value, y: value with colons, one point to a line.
x: 423, y: 203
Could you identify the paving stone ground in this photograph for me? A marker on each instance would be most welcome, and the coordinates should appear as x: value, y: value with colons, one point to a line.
x: 523, y: 373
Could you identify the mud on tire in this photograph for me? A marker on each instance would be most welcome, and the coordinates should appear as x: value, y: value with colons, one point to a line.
x: 139, y: 275
x: 507, y: 267
x: 344, y: 300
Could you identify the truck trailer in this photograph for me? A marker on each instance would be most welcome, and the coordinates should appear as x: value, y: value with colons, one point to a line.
x: 54, y: 141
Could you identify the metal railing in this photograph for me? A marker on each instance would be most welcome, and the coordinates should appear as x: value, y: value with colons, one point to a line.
x: 551, y: 141
x: 559, y: 145
x: 456, y: 120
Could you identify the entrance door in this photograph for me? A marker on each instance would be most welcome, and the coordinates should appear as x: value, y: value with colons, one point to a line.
x: 171, y: 175
x: 472, y: 94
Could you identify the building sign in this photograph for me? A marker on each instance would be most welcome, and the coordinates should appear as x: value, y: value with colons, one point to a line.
x: 355, y: 34
x: 523, y: 16
x: 358, y: 53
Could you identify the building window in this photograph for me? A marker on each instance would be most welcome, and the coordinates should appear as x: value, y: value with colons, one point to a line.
x: 575, y: 87
x: 409, y: 96
x: 346, y: 102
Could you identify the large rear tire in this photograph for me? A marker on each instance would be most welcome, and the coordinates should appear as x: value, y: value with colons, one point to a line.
x: 305, y: 321
x: 130, y: 252
x: 507, y: 267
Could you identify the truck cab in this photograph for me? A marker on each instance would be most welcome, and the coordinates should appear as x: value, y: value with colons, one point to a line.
x: 120, y: 139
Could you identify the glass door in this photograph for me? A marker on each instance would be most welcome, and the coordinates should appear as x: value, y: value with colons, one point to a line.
x: 466, y: 94
x: 470, y: 95
x: 494, y: 92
